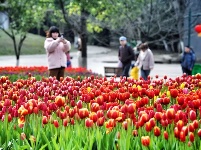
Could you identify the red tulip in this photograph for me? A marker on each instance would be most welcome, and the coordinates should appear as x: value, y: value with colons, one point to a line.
x: 165, y: 135
x: 88, y: 122
x: 100, y: 121
x: 180, y: 124
x: 144, y: 117
x: 9, y: 118
x: 166, y: 100
x: 148, y: 126
x: 72, y: 103
x: 157, y: 131
x: 176, y: 132
x: 72, y: 121
x: 63, y: 114
x: 65, y: 122
x: 158, y: 116
x: 113, y: 114
x: 110, y: 123
x: 7, y: 102
x: 150, y: 94
x: 83, y: 113
x: 79, y: 104
x: 44, y: 120
x: 191, y: 136
x: 56, y: 123
x: 191, y: 127
x: 145, y: 140
x: 131, y: 108
x: 159, y: 108
x: 152, y: 122
x: 100, y: 113
x: 192, y: 115
x: 180, y: 100
x: 93, y: 116
x: 170, y: 113
x: 71, y: 113
x: 182, y: 136
x: 174, y: 93
x: 199, y: 132
x: 95, y: 107
x: 164, y: 123
x: 100, y: 99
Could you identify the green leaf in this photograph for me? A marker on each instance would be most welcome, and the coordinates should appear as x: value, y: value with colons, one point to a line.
x: 43, y: 147
x: 46, y: 140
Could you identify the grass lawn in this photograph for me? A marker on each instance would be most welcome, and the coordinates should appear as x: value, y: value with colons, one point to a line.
x: 33, y: 44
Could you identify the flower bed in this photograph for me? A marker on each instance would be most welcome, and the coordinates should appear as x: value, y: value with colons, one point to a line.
x: 38, y: 72
x: 100, y: 113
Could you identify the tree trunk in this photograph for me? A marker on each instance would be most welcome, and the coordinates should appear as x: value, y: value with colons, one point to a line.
x: 17, y: 61
x: 84, y: 33
x: 84, y: 37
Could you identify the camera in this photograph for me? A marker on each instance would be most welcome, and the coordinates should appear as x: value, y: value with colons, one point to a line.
x: 62, y: 36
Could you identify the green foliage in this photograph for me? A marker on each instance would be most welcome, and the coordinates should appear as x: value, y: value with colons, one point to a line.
x: 24, y: 14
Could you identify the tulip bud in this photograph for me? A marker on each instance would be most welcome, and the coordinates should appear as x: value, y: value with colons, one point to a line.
x: 135, y: 133
x: 23, y: 136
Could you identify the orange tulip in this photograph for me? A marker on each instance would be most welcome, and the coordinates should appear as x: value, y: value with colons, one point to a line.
x: 60, y: 101
x: 22, y: 111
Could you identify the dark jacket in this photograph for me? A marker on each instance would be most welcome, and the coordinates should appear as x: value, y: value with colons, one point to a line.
x: 126, y: 54
x: 188, y: 60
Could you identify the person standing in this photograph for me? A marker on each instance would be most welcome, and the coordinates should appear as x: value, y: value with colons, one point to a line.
x: 188, y: 60
x: 56, y: 48
x: 68, y: 57
x: 79, y: 53
x: 145, y: 61
x: 126, y: 55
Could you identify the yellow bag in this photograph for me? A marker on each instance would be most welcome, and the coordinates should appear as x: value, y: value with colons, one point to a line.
x: 134, y: 73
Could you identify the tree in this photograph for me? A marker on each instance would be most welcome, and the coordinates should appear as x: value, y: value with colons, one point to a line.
x: 23, y: 16
x: 157, y: 21
x: 76, y: 13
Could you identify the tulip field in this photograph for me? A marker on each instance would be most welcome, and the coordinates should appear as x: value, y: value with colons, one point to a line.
x: 90, y: 112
